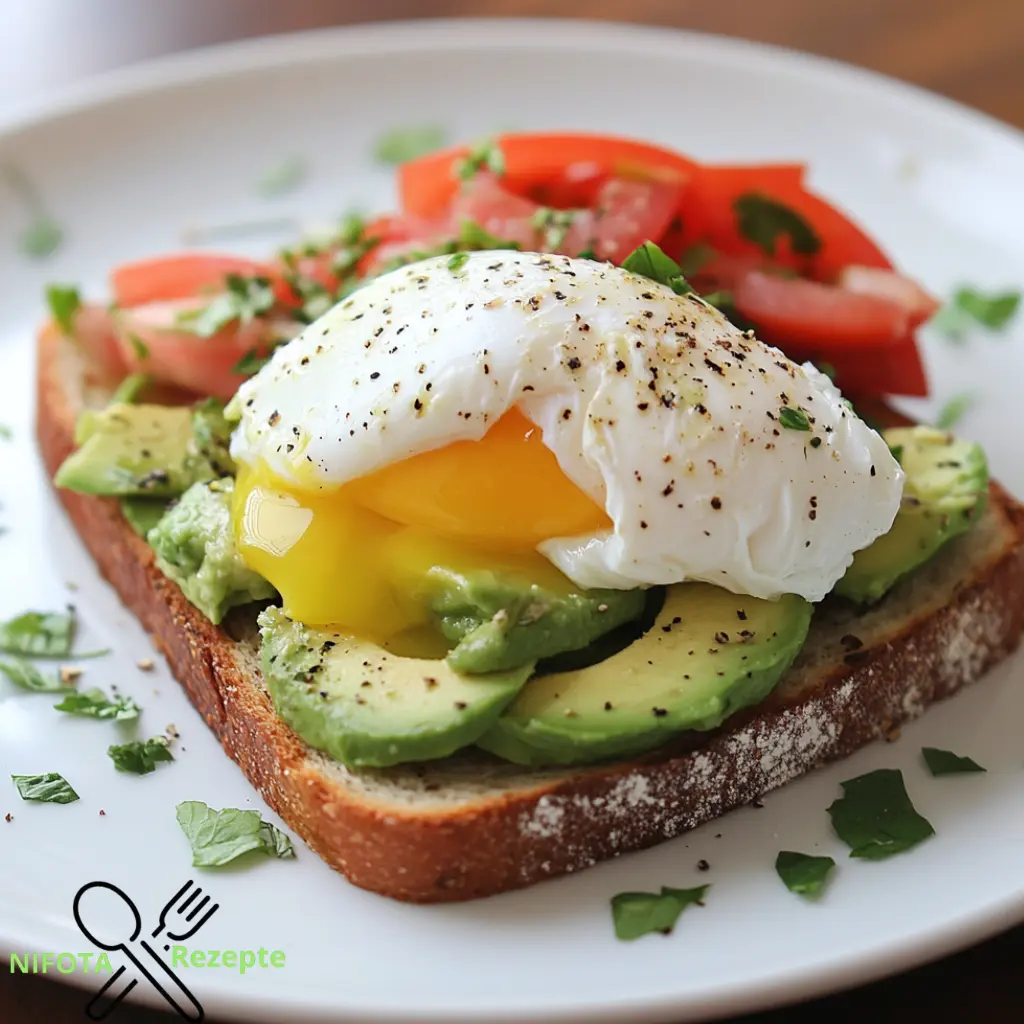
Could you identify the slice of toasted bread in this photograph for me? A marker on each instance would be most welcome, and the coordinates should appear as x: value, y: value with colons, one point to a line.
x: 471, y: 826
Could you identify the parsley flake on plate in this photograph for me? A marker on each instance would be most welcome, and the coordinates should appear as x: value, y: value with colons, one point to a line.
x: 219, y: 837
x: 400, y: 145
x: 801, y: 873
x: 763, y: 221
x: 954, y: 411
x: 6, y: 434
x: 26, y: 676
x: 970, y: 307
x: 50, y: 788
x: 945, y: 762
x: 635, y: 914
x: 287, y: 176
x: 95, y: 703
x: 38, y: 634
x: 875, y: 816
x: 43, y: 236
x: 140, y: 757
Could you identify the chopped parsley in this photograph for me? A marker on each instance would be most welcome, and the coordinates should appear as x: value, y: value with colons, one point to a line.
x: 139, y: 347
x: 896, y: 450
x: 554, y: 223
x: 245, y: 298
x: 64, y: 301
x: 6, y: 434
x: 95, y: 704
x: 954, y: 411
x: 945, y: 762
x: 648, y: 260
x: 25, y: 675
x: 44, y: 235
x: 875, y: 816
x: 251, y: 363
x: 635, y: 914
x: 969, y: 307
x: 219, y: 837
x: 457, y: 261
x: 486, y: 156
x: 696, y: 258
x: 50, y: 788
x: 793, y: 419
x: 400, y: 145
x: 475, y: 236
x: 129, y: 390
x: 140, y: 757
x: 801, y: 873
x: 38, y: 634
x: 287, y: 176
x: 763, y: 221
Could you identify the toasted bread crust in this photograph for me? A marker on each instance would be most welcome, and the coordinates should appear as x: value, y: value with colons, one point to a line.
x: 514, y: 838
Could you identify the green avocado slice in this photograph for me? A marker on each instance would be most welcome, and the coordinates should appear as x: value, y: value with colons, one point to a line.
x: 944, y: 494
x: 708, y: 654
x: 367, y: 707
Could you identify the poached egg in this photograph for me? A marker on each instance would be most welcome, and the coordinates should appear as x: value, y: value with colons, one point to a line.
x: 557, y: 416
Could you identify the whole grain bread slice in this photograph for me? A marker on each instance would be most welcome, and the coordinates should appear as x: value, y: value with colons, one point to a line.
x: 472, y: 826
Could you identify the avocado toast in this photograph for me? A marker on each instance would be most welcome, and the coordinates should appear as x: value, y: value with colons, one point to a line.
x: 472, y: 824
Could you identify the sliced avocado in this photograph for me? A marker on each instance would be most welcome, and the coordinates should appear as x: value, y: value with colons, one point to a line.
x: 147, y: 450
x: 212, y: 433
x: 944, y: 494
x: 708, y: 654
x: 195, y: 547
x: 367, y: 707
x: 499, y: 622
x: 143, y: 513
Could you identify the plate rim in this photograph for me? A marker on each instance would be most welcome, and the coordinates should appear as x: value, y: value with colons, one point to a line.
x: 247, y: 56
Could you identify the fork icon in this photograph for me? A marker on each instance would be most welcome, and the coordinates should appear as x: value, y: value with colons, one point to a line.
x: 180, y: 913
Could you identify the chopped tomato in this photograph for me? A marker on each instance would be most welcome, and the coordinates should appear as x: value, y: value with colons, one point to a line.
x: 868, y: 339
x: 892, y: 285
x: 486, y: 202
x: 177, y: 277
x: 555, y: 169
x: 94, y: 331
x: 152, y: 341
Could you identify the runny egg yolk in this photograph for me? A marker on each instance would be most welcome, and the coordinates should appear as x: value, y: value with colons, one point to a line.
x: 358, y: 557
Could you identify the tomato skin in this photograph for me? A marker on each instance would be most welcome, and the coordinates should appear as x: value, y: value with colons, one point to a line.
x: 177, y: 356
x: 95, y: 333
x: 892, y: 285
x: 165, y: 278
x: 540, y: 160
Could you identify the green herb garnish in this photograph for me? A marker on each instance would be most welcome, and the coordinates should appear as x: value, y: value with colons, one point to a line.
x: 969, y: 307
x: 648, y: 260
x: 587, y: 254
x: 95, y: 704
x: 287, y: 176
x: 50, y: 788
x: 475, y: 236
x: 6, y: 434
x: 245, y: 299
x: 139, y: 347
x: 635, y: 914
x: 554, y: 223
x: 129, y: 390
x: 24, y: 674
x: 875, y: 816
x: 38, y: 634
x: 457, y: 261
x: 218, y: 837
x: 945, y: 762
x: 954, y: 411
x: 696, y: 258
x: 400, y: 145
x: 763, y: 220
x: 44, y: 235
x: 896, y: 450
x: 793, y: 419
x: 64, y: 301
x: 487, y: 155
x: 251, y: 363
x: 802, y: 873
x: 140, y: 757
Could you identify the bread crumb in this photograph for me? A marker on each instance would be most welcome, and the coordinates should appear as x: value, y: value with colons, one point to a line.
x: 68, y: 674
x: 145, y: 664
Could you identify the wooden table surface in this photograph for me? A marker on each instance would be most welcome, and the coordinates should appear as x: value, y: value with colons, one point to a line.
x: 972, y: 51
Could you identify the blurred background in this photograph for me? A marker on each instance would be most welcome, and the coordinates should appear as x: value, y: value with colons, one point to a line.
x: 971, y: 51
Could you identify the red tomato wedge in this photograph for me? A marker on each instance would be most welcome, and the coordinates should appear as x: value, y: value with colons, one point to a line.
x: 151, y: 342
x: 181, y: 276
x: 868, y: 339
x: 575, y: 164
x: 892, y: 285
x: 95, y: 333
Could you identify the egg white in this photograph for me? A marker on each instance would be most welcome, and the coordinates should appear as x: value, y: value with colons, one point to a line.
x: 653, y: 404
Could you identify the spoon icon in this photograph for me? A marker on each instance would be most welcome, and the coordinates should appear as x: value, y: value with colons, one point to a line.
x: 139, y: 952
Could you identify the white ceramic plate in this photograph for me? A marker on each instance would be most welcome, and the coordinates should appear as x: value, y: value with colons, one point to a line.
x: 127, y: 164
